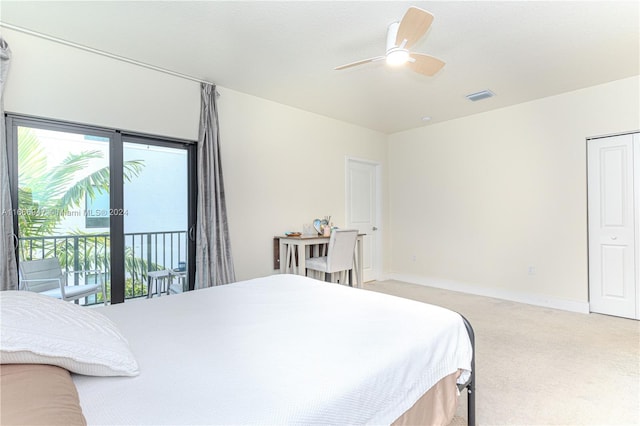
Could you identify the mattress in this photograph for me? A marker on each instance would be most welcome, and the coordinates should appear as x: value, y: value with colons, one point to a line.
x: 283, y: 349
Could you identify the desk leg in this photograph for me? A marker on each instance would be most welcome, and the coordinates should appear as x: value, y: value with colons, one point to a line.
x: 354, y: 279
x: 302, y: 262
x: 284, y: 257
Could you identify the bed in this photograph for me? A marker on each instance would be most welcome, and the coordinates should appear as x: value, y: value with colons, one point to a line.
x: 283, y: 349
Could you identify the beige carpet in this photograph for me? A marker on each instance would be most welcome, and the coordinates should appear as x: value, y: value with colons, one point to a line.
x: 539, y: 366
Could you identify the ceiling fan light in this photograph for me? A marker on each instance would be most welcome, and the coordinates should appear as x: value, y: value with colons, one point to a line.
x: 397, y: 57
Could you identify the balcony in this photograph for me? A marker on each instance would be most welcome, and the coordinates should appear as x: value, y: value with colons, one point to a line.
x: 144, y: 252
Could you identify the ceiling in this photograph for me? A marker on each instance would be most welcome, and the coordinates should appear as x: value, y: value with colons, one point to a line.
x: 286, y: 51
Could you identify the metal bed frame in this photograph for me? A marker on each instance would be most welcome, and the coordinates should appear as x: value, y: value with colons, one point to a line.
x: 470, y: 384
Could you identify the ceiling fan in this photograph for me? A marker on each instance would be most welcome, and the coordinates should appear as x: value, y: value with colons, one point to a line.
x: 400, y: 37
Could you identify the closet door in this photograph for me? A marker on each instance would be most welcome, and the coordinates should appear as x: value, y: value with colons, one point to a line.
x: 613, y: 224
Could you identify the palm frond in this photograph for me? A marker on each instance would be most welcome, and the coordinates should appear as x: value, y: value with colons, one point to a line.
x: 60, y: 176
x: 132, y: 168
x: 97, y: 183
x: 32, y: 161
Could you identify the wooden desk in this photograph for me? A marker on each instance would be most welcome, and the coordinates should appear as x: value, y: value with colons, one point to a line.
x: 299, y: 248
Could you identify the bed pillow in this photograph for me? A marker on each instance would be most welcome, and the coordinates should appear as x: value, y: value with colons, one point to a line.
x: 35, y: 394
x: 38, y: 329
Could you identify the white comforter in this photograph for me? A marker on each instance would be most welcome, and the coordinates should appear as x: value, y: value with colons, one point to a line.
x: 283, y: 349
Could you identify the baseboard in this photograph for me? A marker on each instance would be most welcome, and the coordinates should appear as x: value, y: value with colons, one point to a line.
x: 513, y: 296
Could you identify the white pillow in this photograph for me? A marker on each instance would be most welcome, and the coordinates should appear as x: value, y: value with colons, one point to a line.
x: 38, y: 329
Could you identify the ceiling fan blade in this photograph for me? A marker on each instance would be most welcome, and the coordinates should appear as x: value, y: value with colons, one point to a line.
x: 425, y: 64
x: 414, y: 24
x: 365, y: 61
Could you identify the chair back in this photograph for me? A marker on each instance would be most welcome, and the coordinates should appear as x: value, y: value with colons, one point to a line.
x: 341, y: 247
x: 41, y: 269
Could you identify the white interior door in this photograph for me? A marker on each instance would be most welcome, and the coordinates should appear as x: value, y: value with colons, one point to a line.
x: 613, y: 224
x: 362, y: 201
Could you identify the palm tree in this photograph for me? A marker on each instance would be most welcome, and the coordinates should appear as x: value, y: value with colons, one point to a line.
x: 46, y: 195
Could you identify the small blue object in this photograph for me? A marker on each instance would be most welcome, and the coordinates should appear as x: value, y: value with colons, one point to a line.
x: 182, y: 266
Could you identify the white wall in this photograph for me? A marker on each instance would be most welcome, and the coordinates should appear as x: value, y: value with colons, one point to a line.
x: 283, y: 167
x: 475, y: 202
x: 51, y: 80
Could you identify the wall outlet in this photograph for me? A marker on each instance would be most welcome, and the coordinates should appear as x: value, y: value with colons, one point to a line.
x: 413, y: 258
x: 532, y: 270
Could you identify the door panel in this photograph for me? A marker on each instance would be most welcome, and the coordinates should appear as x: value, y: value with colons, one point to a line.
x: 156, y: 219
x: 613, y: 278
x: 612, y: 222
x: 63, y: 201
x: 362, y: 207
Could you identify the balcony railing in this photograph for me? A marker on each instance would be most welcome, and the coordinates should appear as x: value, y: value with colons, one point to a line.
x: 144, y: 252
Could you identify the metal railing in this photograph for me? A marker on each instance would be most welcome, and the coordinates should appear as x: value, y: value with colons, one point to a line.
x: 144, y: 252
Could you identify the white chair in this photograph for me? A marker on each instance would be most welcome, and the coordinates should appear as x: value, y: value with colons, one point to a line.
x: 45, y: 276
x: 339, y: 256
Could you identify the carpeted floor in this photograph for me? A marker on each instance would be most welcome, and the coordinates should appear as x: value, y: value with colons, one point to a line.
x: 539, y: 366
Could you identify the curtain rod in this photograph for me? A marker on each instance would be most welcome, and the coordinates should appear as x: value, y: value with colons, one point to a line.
x: 102, y: 53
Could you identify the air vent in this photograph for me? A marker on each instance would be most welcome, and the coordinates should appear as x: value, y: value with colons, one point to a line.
x: 480, y: 95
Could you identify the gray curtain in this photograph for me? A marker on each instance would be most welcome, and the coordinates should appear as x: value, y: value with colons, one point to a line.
x: 8, y: 271
x: 214, y: 262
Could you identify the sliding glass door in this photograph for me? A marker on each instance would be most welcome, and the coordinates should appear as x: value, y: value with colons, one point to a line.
x: 156, y: 218
x: 59, y: 173
x: 101, y: 200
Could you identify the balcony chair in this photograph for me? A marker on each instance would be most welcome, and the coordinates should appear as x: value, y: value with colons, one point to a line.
x: 339, y: 257
x: 45, y: 276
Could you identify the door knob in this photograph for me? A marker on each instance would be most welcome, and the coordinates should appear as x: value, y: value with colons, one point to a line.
x: 375, y: 228
x: 613, y: 237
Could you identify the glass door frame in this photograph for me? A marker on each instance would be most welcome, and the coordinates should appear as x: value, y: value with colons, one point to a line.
x: 191, y: 149
x: 116, y: 185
